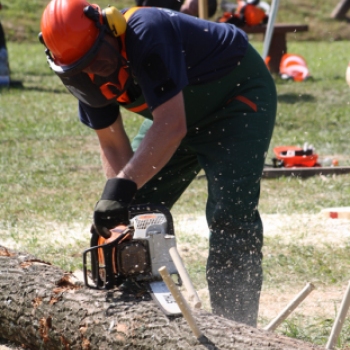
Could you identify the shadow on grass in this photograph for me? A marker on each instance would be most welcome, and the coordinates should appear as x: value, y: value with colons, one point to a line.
x: 43, y: 89
x: 292, y: 98
x: 18, y: 85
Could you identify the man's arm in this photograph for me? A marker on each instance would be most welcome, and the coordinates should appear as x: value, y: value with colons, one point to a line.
x: 157, y: 147
x: 160, y: 142
x: 115, y: 148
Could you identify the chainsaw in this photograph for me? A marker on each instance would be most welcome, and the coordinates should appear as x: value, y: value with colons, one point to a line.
x: 136, y: 255
x: 294, y: 156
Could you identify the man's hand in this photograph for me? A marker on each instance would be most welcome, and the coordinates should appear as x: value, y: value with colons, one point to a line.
x: 112, y: 209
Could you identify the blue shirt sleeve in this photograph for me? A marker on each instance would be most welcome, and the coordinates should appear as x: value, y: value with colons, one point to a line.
x: 168, y: 50
x: 98, y: 118
x: 157, y: 58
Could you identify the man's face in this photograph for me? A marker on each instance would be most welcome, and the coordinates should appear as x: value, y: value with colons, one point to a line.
x: 106, y: 61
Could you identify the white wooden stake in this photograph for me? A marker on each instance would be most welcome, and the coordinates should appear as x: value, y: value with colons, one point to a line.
x: 185, y: 309
x: 290, y: 307
x: 203, y: 9
x: 270, y: 28
x: 193, y: 296
x: 347, y: 74
x: 339, y: 321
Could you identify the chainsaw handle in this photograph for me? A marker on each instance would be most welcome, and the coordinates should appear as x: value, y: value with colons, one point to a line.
x: 101, y: 231
x: 137, y: 209
x: 108, y: 254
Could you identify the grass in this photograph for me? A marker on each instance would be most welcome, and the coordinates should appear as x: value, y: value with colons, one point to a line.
x: 51, y: 176
x: 21, y: 19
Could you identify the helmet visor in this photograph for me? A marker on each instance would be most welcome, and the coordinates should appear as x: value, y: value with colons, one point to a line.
x: 81, y: 63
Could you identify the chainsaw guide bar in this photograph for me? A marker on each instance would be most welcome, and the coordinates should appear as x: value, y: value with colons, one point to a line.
x: 164, y: 299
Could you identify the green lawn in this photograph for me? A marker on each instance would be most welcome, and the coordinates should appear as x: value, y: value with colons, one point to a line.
x: 51, y: 176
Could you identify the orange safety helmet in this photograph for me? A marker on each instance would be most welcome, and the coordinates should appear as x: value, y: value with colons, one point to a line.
x: 66, y: 31
x: 72, y: 31
x: 294, y: 67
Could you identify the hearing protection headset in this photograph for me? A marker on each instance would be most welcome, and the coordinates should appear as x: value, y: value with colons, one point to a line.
x: 112, y: 18
x: 109, y: 20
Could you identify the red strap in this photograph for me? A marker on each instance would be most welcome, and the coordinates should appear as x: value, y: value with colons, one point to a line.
x: 245, y: 100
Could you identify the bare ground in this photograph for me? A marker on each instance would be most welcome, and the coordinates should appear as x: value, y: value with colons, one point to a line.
x: 297, y: 228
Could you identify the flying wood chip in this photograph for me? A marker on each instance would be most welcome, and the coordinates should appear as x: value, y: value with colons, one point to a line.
x: 5, y: 252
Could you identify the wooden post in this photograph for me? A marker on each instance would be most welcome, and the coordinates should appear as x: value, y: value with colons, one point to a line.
x: 193, y: 296
x: 270, y: 28
x: 339, y: 321
x: 203, y: 9
x: 290, y: 307
x: 341, y: 9
x: 185, y: 309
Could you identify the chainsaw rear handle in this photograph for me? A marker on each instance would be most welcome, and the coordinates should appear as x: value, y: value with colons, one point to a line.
x: 134, y: 210
x: 138, y: 209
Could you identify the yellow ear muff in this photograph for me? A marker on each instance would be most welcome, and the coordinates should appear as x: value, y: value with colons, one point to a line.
x: 114, y: 20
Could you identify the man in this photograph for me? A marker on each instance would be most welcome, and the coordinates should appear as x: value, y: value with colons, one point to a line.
x: 190, y: 7
x: 209, y: 103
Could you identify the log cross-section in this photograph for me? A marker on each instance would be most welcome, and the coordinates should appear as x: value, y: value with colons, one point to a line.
x: 42, y: 307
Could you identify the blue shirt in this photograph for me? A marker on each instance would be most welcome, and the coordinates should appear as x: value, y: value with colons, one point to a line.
x: 167, y: 51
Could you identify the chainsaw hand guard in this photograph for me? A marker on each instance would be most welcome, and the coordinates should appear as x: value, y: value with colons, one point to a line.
x: 112, y: 209
x: 136, y: 254
x: 101, y: 258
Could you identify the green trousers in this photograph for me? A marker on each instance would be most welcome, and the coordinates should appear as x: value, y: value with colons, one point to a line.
x: 230, y: 123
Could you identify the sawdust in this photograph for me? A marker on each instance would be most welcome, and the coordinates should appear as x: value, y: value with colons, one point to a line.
x: 302, y: 228
x: 314, y: 229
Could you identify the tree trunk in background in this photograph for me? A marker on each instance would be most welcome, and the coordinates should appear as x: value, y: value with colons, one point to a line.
x: 44, y: 308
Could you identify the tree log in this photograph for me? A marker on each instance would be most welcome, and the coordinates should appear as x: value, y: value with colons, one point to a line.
x: 42, y: 307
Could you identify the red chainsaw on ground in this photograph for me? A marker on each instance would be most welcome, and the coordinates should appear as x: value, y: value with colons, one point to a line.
x: 300, y: 162
x: 294, y: 156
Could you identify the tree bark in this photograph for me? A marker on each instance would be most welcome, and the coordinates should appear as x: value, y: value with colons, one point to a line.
x: 42, y: 307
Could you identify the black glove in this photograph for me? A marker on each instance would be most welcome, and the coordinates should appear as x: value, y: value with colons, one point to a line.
x: 112, y: 209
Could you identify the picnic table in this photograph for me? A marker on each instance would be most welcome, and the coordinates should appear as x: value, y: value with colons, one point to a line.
x: 278, y: 45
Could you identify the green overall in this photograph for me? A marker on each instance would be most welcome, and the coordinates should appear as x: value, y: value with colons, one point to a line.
x: 230, y: 123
